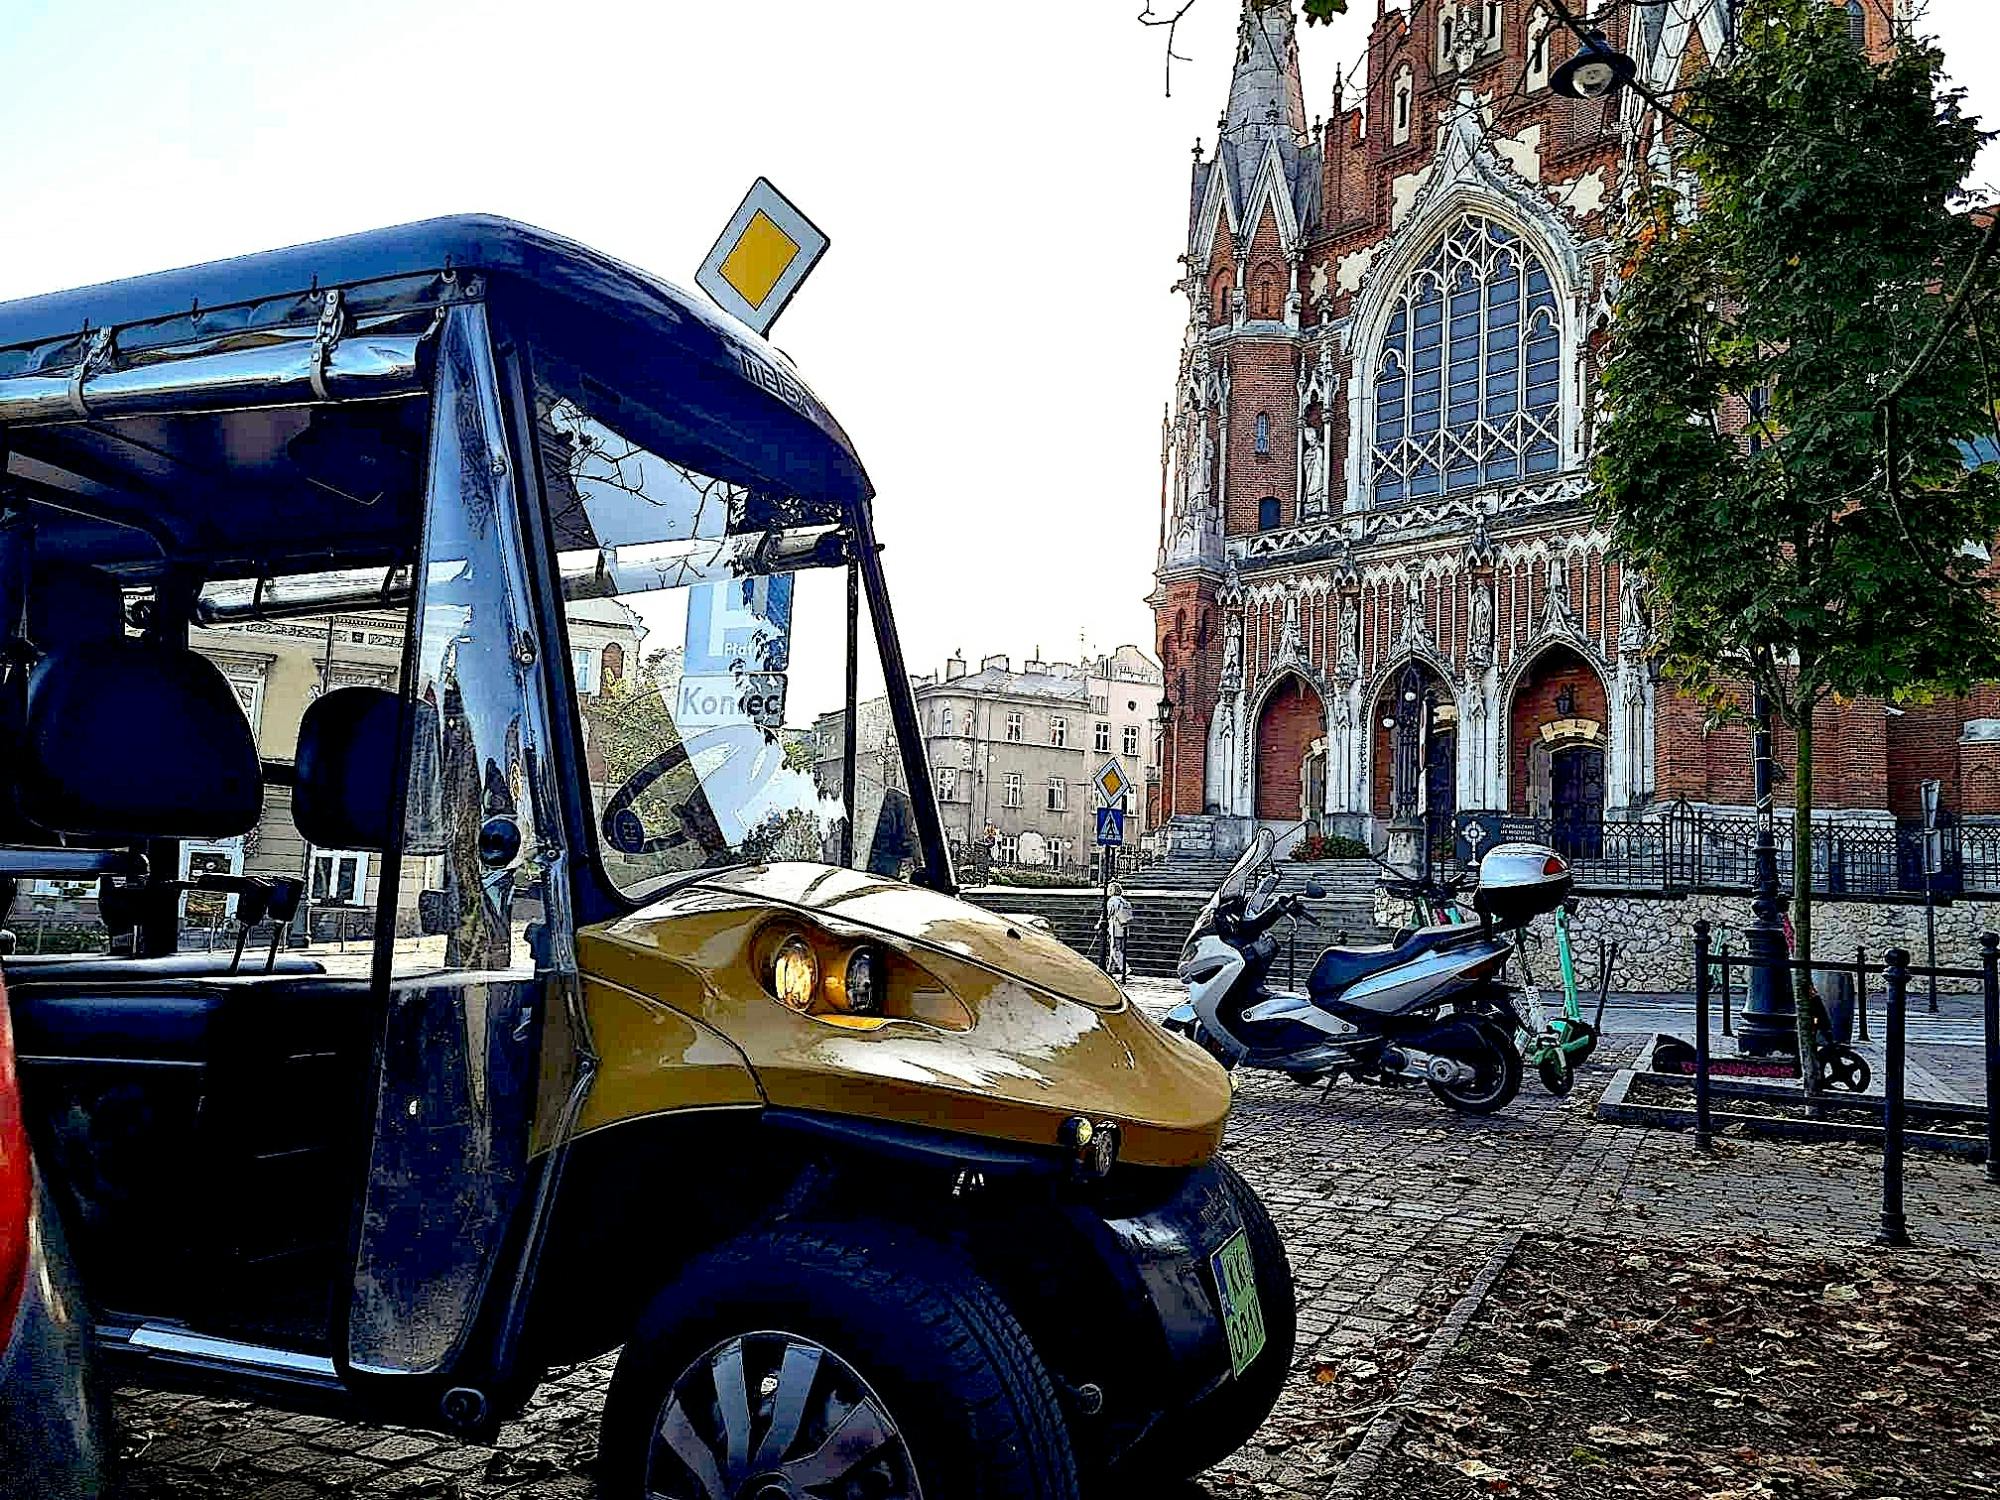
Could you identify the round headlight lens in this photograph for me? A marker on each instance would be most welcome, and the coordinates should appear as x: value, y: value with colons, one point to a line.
x: 795, y: 973
x: 864, y: 983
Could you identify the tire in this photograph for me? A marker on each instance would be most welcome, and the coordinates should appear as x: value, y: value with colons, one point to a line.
x: 910, y: 1341
x: 1482, y: 1045
x: 1558, y: 1077
x: 1185, y: 1442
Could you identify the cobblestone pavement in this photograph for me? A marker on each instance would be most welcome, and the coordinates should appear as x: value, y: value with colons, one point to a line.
x: 1389, y: 1206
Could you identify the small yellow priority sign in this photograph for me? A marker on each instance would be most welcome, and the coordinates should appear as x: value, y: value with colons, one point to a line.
x: 764, y: 255
x: 1111, y: 781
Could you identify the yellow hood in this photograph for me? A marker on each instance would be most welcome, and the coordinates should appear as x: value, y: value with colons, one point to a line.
x: 1050, y: 1036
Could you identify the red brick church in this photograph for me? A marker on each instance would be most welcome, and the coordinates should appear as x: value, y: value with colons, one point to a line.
x: 1381, y: 590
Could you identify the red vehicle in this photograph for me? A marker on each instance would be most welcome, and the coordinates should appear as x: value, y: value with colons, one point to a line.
x: 53, y: 1424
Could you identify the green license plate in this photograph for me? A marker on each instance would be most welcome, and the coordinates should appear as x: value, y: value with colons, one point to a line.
x: 1242, y: 1314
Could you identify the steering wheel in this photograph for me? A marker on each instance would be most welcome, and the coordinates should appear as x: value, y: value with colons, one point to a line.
x: 749, y: 761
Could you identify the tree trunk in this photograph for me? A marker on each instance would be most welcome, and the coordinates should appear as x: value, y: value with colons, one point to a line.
x: 1802, y: 897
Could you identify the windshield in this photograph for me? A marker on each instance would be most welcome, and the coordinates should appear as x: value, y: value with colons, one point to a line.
x: 1237, y: 881
x: 708, y: 630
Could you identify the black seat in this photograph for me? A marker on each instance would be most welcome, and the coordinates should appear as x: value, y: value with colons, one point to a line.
x: 1340, y: 968
x: 204, y: 1124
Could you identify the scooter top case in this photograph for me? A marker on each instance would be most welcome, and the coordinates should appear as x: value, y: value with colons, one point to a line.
x: 1519, y: 882
x: 1396, y: 978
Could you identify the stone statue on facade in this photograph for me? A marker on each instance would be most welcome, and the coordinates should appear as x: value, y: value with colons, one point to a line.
x: 1635, y: 619
x: 1288, y: 634
x: 1202, y: 454
x: 1315, y: 471
x: 1349, y: 656
x: 1416, y: 630
x: 1479, y: 637
x: 1232, y: 651
x: 1558, y: 617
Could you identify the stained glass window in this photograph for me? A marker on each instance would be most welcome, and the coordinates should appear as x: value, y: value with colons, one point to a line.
x: 1468, y: 377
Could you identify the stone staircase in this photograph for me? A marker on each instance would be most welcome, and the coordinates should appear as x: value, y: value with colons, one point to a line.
x: 1164, y: 911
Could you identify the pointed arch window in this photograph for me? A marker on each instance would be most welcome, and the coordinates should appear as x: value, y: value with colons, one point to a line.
x: 1264, y: 434
x: 1468, y: 377
x: 1857, y: 24
x: 1400, y: 126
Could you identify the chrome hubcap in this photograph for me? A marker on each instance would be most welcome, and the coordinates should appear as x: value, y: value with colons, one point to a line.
x: 776, y: 1416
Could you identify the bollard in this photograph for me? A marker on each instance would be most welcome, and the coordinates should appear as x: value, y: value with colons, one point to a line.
x: 1896, y: 977
x: 1703, y: 1134
x: 1727, y: 1029
x: 1989, y: 961
x: 1861, y: 994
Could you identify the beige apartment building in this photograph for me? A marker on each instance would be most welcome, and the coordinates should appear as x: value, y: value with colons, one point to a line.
x: 1014, y: 754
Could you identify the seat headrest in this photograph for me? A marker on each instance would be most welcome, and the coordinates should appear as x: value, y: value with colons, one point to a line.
x: 128, y: 739
x: 70, y: 603
x: 345, y: 794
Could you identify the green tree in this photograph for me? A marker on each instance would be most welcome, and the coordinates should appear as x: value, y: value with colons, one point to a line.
x: 1812, y: 282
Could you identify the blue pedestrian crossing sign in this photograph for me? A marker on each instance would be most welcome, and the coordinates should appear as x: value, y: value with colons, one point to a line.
x: 1110, y: 827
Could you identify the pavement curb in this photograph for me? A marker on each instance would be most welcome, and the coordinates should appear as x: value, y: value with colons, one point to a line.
x: 1362, y: 1463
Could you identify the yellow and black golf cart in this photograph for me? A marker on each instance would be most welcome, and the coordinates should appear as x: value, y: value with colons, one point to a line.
x: 527, y: 614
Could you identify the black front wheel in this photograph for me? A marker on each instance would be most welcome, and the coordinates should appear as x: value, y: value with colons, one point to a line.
x: 848, y: 1360
x: 1490, y: 1053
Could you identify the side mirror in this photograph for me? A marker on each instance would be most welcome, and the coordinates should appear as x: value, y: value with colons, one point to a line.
x: 1314, y: 890
x: 499, y: 841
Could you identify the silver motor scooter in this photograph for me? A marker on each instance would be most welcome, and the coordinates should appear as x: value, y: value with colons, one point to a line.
x: 1431, y: 1006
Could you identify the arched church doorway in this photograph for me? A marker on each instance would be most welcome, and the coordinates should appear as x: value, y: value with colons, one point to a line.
x: 1556, y: 760
x: 1415, y: 764
x: 1293, y: 717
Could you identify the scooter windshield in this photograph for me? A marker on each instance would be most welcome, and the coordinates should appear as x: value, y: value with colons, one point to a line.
x: 1258, y: 855
x: 707, y: 628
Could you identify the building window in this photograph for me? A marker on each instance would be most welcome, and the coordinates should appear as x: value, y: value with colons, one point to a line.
x: 947, y: 784
x: 1097, y: 703
x: 1007, y: 848
x: 1468, y: 377
x: 339, y: 878
x: 1760, y: 415
x: 1857, y: 24
x: 1058, y: 794
x: 1538, y: 51
x: 1401, y: 118
x: 1010, y: 792
x: 1264, y: 434
x: 1058, y: 851
x: 1014, y: 727
x: 250, y: 693
x: 1058, y: 731
x: 944, y: 721
x: 1266, y: 293
x: 1131, y: 739
x: 1268, y: 518
x: 1218, y: 296
x: 1492, y: 32
x: 585, y: 662
x: 1100, y: 738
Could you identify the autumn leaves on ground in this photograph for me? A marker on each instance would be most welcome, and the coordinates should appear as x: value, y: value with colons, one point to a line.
x: 1745, y: 1372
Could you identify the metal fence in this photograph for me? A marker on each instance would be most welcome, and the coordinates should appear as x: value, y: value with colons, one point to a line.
x: 976, y: 867
x: 1688, y: 849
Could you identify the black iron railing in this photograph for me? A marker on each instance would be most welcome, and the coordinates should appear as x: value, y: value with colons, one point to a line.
x: 1687, y: 849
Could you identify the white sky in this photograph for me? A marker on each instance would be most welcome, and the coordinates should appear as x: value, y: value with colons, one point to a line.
x: 1005, y: 186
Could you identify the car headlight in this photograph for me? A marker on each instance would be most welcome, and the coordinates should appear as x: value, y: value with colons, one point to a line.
x: 795, y: 973
x: 864, y: 983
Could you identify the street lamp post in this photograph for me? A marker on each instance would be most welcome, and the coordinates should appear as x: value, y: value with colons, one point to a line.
x: 1769, y: 1023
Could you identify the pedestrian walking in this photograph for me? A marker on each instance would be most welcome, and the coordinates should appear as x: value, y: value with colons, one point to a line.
x: 1118, y: 917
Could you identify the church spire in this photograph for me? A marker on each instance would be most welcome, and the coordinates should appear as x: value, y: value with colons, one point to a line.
x: 1265, y: 96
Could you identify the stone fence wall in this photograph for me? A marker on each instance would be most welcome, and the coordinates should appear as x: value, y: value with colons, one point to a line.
x: 1655, y: 936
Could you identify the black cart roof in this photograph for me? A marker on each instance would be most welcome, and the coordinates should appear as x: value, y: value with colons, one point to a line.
x: 674, y: 371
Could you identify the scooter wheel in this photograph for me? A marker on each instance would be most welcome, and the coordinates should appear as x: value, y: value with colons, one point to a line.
x: 1558, y: 1077
x: 1490, y: 1052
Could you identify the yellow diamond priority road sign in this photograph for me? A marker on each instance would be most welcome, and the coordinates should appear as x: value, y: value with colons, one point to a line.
x: 764, y: 255
x: 1112, y: 782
